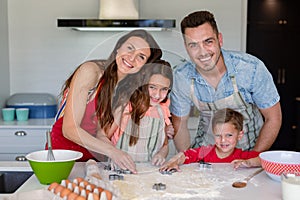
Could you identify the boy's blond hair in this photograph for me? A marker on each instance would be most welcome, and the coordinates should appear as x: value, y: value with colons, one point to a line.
x: 228, y: 115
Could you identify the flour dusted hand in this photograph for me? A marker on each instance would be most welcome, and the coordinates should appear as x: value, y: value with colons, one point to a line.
x: 123, y: 161
x: 158, y: 159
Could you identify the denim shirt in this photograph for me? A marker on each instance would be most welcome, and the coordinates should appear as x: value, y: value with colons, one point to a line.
x: 255, y: 83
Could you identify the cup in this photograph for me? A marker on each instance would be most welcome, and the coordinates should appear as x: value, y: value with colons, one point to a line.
x: 290, y: 183
x: 8, y: 114
x: 22, y: 114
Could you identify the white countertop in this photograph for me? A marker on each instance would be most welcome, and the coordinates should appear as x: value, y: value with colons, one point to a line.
x: 31, y: 123
x: 261, y: 187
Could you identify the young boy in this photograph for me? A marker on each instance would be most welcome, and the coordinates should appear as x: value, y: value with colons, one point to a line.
x: 228, y: 130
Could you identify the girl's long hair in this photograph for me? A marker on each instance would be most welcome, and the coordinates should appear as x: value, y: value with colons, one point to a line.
x: 139, y: 97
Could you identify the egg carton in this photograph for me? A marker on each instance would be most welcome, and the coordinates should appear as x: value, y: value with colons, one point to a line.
x: 80, y: 189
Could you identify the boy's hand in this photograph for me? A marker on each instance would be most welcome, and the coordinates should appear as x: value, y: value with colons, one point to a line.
x: 241, y: 163
x: 251, y: 162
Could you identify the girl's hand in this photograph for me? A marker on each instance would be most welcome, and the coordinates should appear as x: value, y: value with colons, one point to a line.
x: 173, y: 163
x: 123, y: 160
x: 169, y: 129
x: 158, y: 159
x: 169, y: 166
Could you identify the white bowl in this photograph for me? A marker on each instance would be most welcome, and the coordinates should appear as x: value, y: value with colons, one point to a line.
x: 277, y: 162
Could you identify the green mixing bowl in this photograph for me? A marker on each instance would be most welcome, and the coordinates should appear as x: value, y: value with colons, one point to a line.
x: 48, y: 172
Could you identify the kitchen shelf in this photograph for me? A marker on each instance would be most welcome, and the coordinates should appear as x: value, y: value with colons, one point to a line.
x: 117, y: 25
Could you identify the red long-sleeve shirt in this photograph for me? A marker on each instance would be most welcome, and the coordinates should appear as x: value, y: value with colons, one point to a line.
x: 208, y: 154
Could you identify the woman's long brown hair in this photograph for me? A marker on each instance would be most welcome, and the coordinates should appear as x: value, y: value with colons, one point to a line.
x: 110, y: 80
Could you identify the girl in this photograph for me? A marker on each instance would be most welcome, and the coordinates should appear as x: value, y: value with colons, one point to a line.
x: 141, y: 130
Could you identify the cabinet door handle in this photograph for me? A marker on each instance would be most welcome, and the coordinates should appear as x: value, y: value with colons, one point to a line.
x: 20, y: 158
x: 279, y: 76
x: 283, y: 76
x: 20, y: 133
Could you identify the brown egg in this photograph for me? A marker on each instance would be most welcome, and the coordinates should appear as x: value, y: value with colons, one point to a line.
x: 65, y: 192
x: 83, y: 183
x: 90, y: 187
x: 71, y: 186
x: 65, y: 182
x: 98, y: 189
x: 93, y: 196
x: 80, y: 198
x: 58, y: 189
x: 72, y: 196
x: 52, y: 186
x: 77, y: 180
x: 108, y: 194
x: 84, y: 193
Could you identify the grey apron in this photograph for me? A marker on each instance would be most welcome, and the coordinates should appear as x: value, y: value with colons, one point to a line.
x: 151, y: 137
x: 253, y: 119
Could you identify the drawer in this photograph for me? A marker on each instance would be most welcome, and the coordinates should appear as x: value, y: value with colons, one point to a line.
x: 12, y: 157
x: 22, y: 140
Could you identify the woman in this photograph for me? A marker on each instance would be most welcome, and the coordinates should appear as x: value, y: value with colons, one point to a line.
x: 86, y: 105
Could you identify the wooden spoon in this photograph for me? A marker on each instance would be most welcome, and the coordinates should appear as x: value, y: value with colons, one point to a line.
x: 243, y: 183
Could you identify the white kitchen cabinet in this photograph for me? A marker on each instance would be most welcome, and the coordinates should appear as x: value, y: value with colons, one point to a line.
x: 20, y: 138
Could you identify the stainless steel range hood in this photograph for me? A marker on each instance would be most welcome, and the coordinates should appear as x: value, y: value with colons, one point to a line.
x: 117, y: 15
x: 117, y: 24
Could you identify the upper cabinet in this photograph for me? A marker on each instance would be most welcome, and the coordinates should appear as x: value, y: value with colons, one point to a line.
x: 280, y: 12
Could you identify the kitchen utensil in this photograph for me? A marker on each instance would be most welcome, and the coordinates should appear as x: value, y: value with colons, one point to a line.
x: 49, y: 171
x: 50, y: 155
x: 243, y: 183
x: 277, y: 162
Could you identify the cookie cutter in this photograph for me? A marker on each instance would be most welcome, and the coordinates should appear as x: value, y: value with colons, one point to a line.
x: 118, y: 171
x: 170, y: 172
x: 123, y: 171
x: 204, y: 165
x: 159, y: 186
x: 113, y: 177
x: 107, y: 167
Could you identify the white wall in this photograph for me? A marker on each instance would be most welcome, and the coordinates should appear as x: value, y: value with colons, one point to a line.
x: 4, y: 61
x: 41, y: 56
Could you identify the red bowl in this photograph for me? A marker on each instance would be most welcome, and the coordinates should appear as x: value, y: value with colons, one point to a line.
x: 277, y: 162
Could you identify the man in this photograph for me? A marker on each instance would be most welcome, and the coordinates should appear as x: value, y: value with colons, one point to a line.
x: 215, y: 79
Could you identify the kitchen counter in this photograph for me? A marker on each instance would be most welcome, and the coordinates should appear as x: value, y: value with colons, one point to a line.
x: 260, y: 187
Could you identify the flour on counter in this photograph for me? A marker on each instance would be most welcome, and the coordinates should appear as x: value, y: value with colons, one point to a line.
x: 191, y: 183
